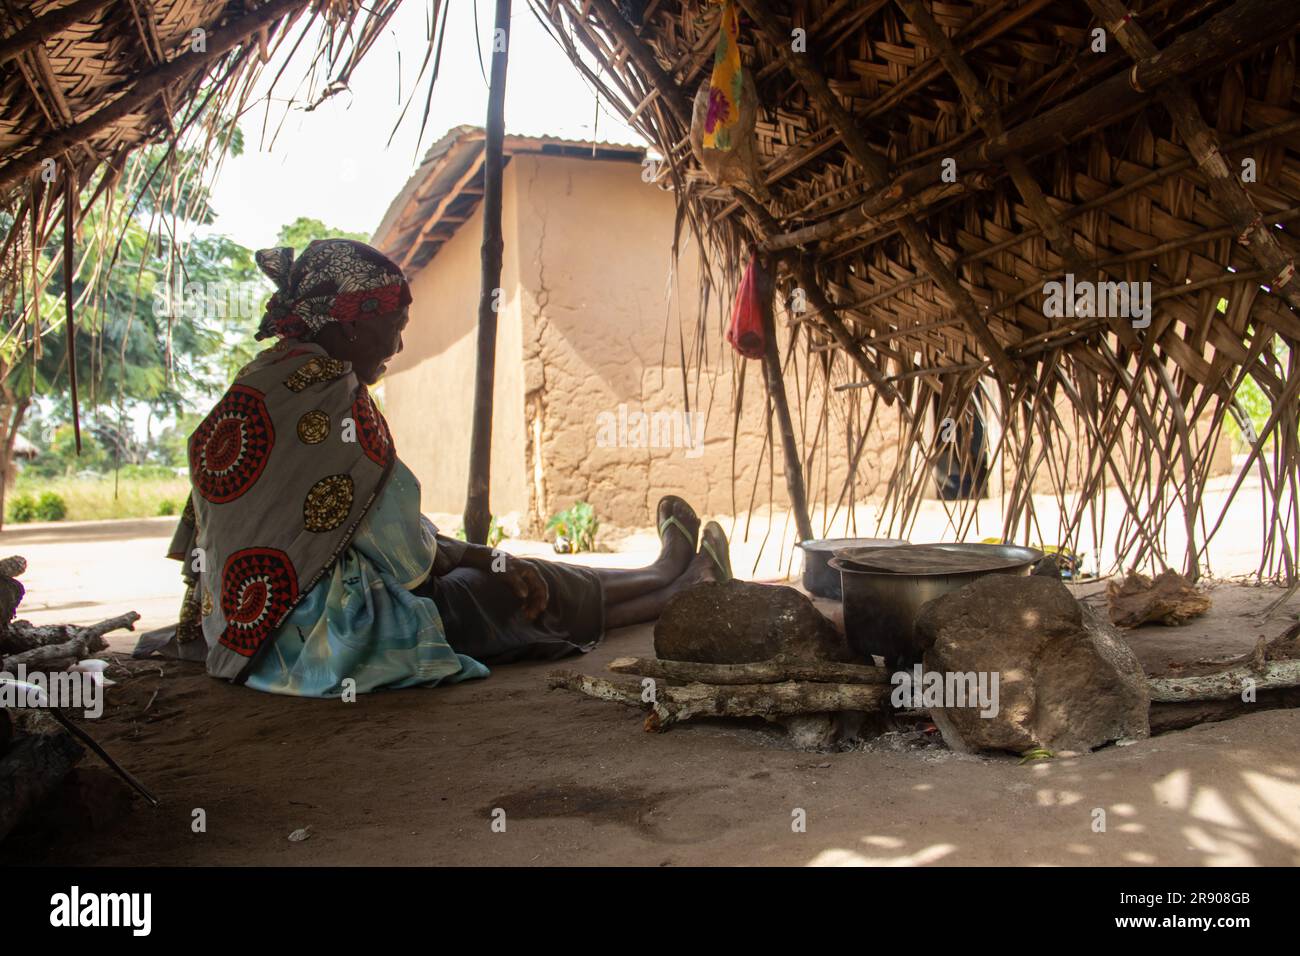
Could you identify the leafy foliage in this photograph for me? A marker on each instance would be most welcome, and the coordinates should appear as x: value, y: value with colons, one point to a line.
x: 577, y: 524
x: 50, y: 506
x: 162, y: 328
x: 22, y: 508
x: 304, y: 229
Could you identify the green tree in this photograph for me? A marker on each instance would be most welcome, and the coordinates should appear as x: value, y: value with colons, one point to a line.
x: 139, y: 344
x: 165, y: 315
x: 304, y: 229
x: 172, y: 446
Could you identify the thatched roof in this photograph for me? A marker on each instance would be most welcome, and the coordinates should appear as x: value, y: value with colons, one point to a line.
x: 87, y: 79
x: 447, y: 187
x: 1122, y: 165
x: 83, y: 83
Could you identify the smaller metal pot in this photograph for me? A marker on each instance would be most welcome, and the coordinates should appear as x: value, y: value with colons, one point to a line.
x: 821, y: 579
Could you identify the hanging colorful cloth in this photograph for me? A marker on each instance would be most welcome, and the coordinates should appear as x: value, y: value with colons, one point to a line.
x: 747, y: 331
x: 725, y: 83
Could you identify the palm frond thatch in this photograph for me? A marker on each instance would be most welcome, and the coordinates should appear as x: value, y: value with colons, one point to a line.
x: 1170, y: 157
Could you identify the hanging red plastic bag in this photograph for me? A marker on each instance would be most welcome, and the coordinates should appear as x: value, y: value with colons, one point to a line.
x: 746, y: 331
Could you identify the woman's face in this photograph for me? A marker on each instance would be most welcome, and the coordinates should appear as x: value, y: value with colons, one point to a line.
x: 368, y: 345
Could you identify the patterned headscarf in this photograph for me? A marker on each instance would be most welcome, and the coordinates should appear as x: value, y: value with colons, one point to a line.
x: 334, y: 280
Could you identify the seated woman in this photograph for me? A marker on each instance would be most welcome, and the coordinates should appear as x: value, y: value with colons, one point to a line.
x: 311, y: 570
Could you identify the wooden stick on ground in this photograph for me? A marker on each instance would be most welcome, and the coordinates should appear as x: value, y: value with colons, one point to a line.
x: 79, y: 641
x: 1223, y: 685
x: 674, y: 704
x: 774, y: 671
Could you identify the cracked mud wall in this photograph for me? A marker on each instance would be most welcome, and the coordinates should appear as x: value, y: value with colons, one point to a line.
x: 601, y: 318
x: 428, y: 393
x: 590, y: 327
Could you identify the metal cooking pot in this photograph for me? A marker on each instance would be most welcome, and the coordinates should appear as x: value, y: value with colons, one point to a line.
x: 880, y: 607
x: 818, y: 577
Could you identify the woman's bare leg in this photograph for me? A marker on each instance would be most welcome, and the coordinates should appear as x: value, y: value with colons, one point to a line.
x: 625, y: 584
x: 647, y: 606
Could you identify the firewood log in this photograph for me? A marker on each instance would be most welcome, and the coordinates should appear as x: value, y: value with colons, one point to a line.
x: 1229, y: 682
x: 772, y: 671
x: 75, y: 642
x: 1225, y: 684
x: 772, y: 701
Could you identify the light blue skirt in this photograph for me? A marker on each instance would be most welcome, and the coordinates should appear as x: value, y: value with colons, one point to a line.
x: 360, y: 628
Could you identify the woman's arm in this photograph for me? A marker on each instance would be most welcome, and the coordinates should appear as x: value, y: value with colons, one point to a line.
x: 449, y: 554
x: 519, y: 574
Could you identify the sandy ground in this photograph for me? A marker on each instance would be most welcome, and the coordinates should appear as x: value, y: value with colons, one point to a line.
x: 417, y: 777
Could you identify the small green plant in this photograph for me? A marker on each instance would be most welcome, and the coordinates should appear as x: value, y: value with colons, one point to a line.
x: 1036, y: 753
x: 166, y: 507
x: 497, y: 532
x: 50, y: 506
x: 22, y: 508
x: 575, y: 528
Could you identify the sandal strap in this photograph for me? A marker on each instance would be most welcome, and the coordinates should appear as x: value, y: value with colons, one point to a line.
x: 672, y: 521
x: 723, y: 566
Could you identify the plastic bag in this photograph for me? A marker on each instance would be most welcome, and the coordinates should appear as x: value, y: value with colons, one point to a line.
x: 747, y: 331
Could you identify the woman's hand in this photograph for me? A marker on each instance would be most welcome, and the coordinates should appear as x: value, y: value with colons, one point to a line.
x: 520, y: 576
x: 527, y: 584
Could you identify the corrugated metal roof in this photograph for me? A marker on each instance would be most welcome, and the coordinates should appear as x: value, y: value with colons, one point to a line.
x: 446, y: 188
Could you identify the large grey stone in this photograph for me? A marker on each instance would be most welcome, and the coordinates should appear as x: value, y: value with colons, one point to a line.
x: 740, y: 622
x: 1066, y: 679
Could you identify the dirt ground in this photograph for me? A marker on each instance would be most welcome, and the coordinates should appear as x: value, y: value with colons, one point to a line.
x: 419, y: 776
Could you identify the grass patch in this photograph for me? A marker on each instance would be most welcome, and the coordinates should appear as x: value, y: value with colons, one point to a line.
x: 97, y: 499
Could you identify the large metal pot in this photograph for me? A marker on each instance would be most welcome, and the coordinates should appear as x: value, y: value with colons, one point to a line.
x: 821, y: 579
x: 880, y: 607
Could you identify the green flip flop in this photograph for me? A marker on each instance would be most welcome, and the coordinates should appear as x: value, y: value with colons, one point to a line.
x: 666, y: 514
x: 714, y: 543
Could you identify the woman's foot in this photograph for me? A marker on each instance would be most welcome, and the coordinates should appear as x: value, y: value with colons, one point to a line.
x: 639, y: 607
x: 679, y: 528
x: 712, y: 564
x: 701, y: 570
x: 714, y: 544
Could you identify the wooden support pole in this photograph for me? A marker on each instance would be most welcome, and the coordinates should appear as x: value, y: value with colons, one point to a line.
x: 876, y: 170
x: 478, y: 516
x: 767, y: 225
x: 70, y: 332
x: 775, y: 382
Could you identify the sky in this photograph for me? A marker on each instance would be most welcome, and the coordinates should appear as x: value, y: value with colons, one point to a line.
x: 334, y: 163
